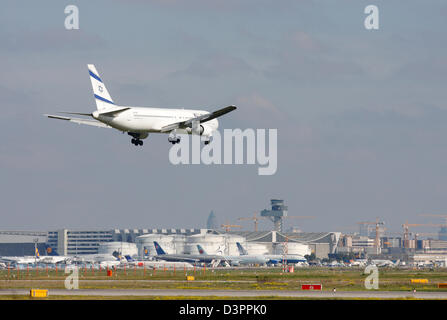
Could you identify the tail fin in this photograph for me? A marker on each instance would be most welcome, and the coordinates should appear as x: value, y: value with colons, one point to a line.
x: 201, y: 250
x: 241, y: 249
x: 102, y: 97
x: 50, y: 251
x: 37, y: 253
x: 129, y: 258
x: 159, y: 250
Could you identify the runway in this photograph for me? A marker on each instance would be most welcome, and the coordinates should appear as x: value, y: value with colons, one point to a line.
x: 234, y: 293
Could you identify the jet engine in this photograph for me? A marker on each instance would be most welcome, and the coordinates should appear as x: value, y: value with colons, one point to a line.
x: 202, y: 130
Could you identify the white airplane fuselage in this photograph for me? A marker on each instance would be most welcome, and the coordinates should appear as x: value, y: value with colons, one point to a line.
x: 247, y: 259
x: 147, y: 120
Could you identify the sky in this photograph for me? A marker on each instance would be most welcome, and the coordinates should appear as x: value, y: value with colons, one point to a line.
x: 361, y: 114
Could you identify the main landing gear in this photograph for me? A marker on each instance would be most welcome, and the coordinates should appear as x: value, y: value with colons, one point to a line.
x: 176, y: 139
x: 136, y: 138
x: 137, y: 142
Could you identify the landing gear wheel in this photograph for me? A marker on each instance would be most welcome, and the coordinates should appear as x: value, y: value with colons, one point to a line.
x: 137, y: 142
x: 174, y: 140
x: 207, y: 142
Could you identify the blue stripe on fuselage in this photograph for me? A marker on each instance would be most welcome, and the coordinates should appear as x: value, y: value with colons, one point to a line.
x: 102, y: 99
x: 94, y: 76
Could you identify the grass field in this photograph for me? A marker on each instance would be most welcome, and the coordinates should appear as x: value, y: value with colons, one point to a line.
x: 348, y: 279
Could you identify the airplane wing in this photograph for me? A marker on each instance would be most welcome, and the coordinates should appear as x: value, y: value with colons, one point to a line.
x: 201, y: 119
x: 80, y: 121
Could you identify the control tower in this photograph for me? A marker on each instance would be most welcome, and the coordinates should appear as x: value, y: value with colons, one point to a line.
x: 276, y: 214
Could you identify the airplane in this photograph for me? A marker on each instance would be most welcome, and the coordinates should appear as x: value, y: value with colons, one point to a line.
x: 359, y: 262
x: 191, y: 258
x: 138, y: 122
x: 239, y: 260
x: 383, y: 263
x: 275, y: 258
x: 53, y: 257
x: 21, y: 260
x: 158, y: 264
x: 104, y: 260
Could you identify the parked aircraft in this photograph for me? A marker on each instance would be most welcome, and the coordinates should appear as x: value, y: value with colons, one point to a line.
x: 383, y: 263
x: 191, y: 258
x: 238, y: 260
x: 21, y: 260
x: 159, y: 264
x: 138, y: 122
x: 275, y: 258
x: 53, y: 257
x: 104, y: 260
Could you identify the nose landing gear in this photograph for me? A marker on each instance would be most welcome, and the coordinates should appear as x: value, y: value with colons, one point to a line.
x: 174, y: 140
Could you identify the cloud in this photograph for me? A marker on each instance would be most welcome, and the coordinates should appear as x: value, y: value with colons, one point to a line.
x: 258, y: 111
x: 302, y: 57
x: 217, y: 65
x: 303, y: 41
x: 433, y: 69
x: 50, y: 40
x: 217, y: 6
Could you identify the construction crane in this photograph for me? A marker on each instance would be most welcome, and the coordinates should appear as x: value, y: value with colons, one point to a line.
x: 377, y: 223
x: 423, y: 234
x: 255, y: 220
x: 436, y: 216
x: 407, y: 225
x: 228, y: 227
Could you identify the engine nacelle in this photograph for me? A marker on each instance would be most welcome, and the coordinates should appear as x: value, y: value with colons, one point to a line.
x: 144, y: 135
x: 202, y: 130
x: 207, y: 131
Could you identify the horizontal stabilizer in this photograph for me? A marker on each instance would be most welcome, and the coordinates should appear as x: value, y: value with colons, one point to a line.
x: 77, y: 113
x: 80, y: 121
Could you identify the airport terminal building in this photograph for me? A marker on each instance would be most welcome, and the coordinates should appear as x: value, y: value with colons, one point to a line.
x: 21, y: 243
x: 182, y: 240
